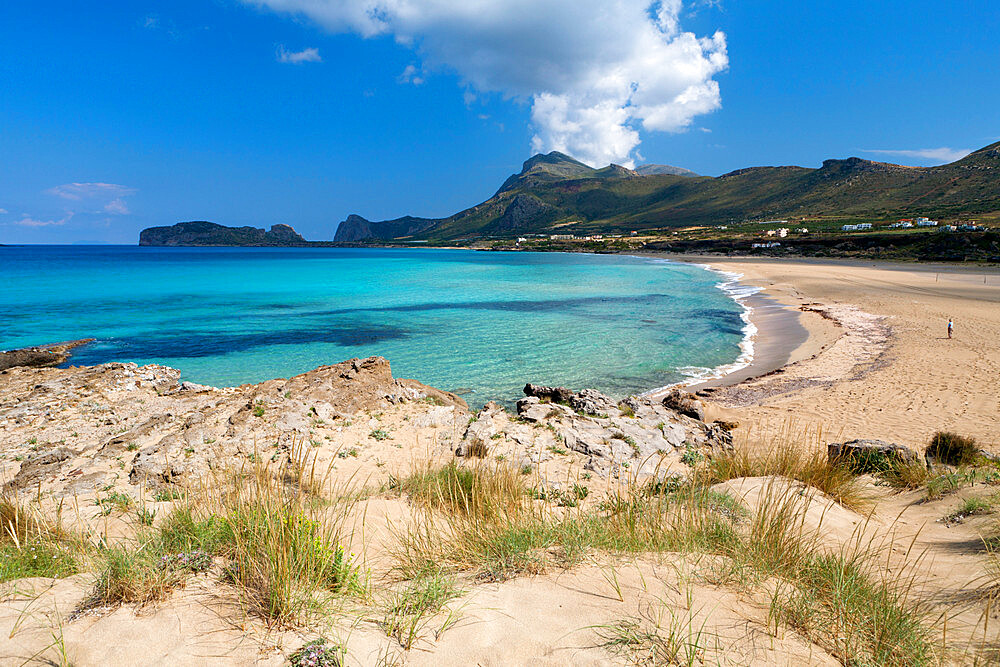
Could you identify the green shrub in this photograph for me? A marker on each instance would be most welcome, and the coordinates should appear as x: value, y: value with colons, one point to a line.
x: 953, y: 449
x: 317, y: 653
x: 36, y: 557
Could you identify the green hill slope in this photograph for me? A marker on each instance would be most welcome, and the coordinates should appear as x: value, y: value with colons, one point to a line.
x: 555, y: 193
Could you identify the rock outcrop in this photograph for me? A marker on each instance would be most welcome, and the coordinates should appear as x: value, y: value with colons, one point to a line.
x: 77, y: 429
x: 637, y: 436
x: 40, y: 356
x: 357, y: 229
x: 866, y: 456
x: 685, y: 403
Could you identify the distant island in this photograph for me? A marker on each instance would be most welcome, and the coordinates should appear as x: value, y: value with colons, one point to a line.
x: 202, y: 233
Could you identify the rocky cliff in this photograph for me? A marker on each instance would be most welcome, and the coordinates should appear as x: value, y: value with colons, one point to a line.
x: 355, y: 228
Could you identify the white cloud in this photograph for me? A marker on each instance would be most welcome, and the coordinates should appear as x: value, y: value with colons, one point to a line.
x: 81, y: 191
x: 3, y: 211
x: 940, y: 155
x: 411, y: 75
x: 110, y: 197
x: 28, y: 221
x: 310, y: 55
x: 596, y: 72
x: 117, y: 206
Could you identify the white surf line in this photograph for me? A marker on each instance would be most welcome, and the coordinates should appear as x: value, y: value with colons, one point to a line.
x: 739, y: 293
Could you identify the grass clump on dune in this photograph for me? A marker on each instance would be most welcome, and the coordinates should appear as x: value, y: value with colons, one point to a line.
x: 281, y: 553
x: 283, y: 556
x: 409, y: 610
x: 792, y: 461
x: 953, y: 449
x: 31, y: 546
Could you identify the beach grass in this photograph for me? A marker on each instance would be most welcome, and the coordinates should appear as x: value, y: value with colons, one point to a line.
x: 31, y: 545
x: 411, y: 608
x: 280, y: 550
x: 827, y: 595
x: 790, y: 458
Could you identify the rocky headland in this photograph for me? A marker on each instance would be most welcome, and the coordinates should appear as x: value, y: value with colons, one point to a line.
x: 40, y: 356
x: 202, y: 233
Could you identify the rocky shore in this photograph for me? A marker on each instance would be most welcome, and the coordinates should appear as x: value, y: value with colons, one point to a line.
x: 40, y: 356
x: 77, y: 431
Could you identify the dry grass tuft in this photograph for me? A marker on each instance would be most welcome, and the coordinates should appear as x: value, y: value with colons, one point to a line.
x: 953, y: 449
x: 33, y: 546
x: 274, y: 544
x: 791, y: 460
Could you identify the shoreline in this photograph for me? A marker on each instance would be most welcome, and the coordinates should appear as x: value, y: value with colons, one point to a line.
x: 785, y: 332
x: 877, y: 362
x: 774, y: 333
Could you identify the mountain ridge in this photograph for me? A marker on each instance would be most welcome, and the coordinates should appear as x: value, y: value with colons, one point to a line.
x: 555, y: 193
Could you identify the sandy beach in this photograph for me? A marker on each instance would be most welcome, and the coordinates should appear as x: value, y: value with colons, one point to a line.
x: 876, y: 362
x: 842, y: 351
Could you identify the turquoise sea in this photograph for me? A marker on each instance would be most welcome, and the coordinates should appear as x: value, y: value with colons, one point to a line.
x: 478, y: 323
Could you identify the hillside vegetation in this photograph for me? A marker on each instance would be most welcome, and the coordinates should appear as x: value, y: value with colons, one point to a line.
x: 556, y: 194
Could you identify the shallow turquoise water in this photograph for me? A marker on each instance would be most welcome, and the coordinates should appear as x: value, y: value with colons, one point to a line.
x: 481, y: 323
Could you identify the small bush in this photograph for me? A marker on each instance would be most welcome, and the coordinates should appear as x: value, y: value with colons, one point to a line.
x: 953, y: 449
x: 133, y: 577
x: 380, y: 434
x: 626, y: 410
x: 692, y: 457
x: 317, y: 653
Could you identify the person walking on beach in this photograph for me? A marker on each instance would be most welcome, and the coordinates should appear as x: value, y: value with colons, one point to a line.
x: 951, y: 326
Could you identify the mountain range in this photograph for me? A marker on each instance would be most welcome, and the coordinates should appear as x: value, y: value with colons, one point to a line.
x: 554, y: 193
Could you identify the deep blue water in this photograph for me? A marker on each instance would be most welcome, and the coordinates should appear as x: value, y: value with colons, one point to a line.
x: 479, y: 322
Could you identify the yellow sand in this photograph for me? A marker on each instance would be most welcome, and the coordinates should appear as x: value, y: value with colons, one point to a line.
x: 923, y: 382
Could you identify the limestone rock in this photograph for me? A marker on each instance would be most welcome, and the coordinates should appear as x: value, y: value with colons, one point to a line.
x: 866, y: 456
x: 593, y: 402
x: 554, y: 394
x: 479, y: 435
x: 685, y: 403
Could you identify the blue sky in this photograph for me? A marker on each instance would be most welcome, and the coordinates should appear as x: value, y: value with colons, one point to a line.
x: 121, y: 115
